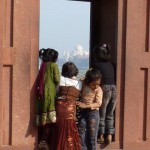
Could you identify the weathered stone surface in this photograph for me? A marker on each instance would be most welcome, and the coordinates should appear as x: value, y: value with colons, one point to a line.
x: 123, y: 23
x: 19, y: 40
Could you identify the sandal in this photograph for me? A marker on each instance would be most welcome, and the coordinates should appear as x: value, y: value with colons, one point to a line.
x: 43, y: 145
x: 101, y: 139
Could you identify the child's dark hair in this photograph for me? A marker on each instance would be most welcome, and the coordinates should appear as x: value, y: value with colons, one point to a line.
x: 92, y: 75
x: 102, y: 52
x: 69, y: 70
x: 48, y: 54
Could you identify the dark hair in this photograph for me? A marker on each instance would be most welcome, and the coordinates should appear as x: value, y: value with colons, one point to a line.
x: 102, y: 52
x: 48, y: 54
x: 69, y: 70
x: 92, y: 75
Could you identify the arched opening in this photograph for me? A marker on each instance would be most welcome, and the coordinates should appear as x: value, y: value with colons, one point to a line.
x: 65, y: 26
x: 104, y: 27
x: 75, y: 27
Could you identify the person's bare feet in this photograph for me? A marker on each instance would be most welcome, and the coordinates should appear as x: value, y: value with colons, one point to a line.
x: 101, y: 139
x: 109, y: 138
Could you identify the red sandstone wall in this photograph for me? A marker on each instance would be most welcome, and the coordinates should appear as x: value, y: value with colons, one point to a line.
x: 19, y: 35
x: 19, y: 28
x: 137, y: 75
x: 132, y: 119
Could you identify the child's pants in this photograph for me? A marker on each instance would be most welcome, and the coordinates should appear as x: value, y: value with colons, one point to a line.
x: 106, y: 111
x: 88, y: 128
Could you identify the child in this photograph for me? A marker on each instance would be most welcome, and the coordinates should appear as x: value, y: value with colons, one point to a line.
x: 48, y: 78
x: 103, y: 64
x: 67, y: 137
x: 91, y: 99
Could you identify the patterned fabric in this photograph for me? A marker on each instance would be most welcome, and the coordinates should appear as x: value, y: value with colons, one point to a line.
x: 89, y: 96
x: 67, y: 137
x: 45, y: 108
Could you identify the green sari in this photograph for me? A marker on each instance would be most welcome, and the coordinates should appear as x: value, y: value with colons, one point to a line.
x: 45, y: 107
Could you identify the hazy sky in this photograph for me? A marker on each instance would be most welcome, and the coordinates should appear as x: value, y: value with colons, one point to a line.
x: 64, y: 24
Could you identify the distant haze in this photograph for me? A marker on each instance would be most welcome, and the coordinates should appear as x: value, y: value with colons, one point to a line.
x: 64, y: 25
x: 79, y: 56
